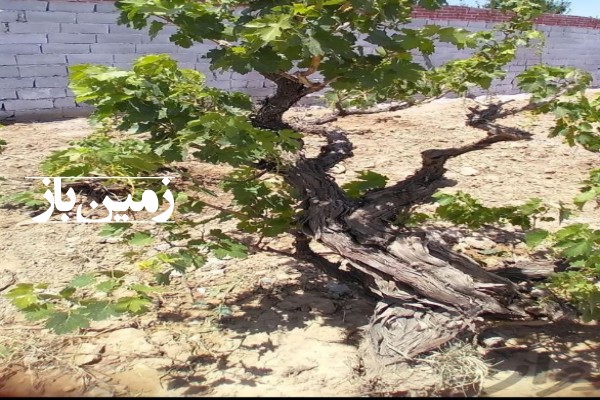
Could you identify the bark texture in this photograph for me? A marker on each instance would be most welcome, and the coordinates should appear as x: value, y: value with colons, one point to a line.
x: 288, y: 93
x: 428, y: 293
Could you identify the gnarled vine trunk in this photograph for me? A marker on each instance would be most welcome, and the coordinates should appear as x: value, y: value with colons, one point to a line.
x: 428, y: 293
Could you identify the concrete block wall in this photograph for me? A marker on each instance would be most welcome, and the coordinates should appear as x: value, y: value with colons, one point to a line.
x: 39, y: 39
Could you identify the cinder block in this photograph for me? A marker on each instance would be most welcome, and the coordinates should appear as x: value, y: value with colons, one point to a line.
x: 20, y: 49
x: 119, y: 38
x: 41, y: 59
x: 110, y: 48
x: 75, y: 112
x: 74, y: 59
x: 439, y: 22
x: 40, y: 93
x: 84, y: 28
x: 33, y: 27
x: 196, y: 49
x: 51, y: 16
x: 225, y: 85
x: 417, y: 23
x: 8, y: 60
x: 543, y: 28
x: 54, y: 48
x: 27, y: 5
x: 16, y: 105
x: 9, y: 72
x: 43, y: 70
x: 126, y: 58
x: 7, y: 94
x: 159, y: 39
x: 476, y: 25
x: 65, y: 102
x: 574, y: 29
x: 255, y: 83
x: 154, y: 48
x: 19, y: 38
x: 97, y: 18
x: 70, y: 6
x: 184, y: 58
x: 15, y: 83
x: 204, y: 67
x: 114, y: 28
x: 223, y: 75
x: 54, y: 82
x: 39, y: 115
x: 106, y: 7
x: 9, y: 16
x: 264, y: 92
x: 71, y: 38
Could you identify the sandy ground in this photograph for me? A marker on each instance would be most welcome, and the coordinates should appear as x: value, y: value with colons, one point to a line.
x: 291, y: 332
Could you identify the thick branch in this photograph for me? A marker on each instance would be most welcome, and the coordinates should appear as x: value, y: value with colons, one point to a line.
x: 288, y: 93
x: 385, y: 204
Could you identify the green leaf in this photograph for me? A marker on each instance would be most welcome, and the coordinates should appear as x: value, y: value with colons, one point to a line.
x: 112, y: 230
x: 443, y: 199
x: 535, y: 237
x: 578, y: 249
x: 133, y: 304
x: 67, y: 292
x: 163, y: 278
x: 82, y: 281
x: 584, y: 197
x: 99, y: 310
x: 108, y: 285
x: 140, y: 239
x: 224, y: 246
x: 367, y: 180
x: 22, y: 296
x: 66, y: 322
x: 155, y: 27
x: 38, y: 312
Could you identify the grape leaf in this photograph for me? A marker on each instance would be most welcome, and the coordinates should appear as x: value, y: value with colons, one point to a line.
x: 37, y: 312
x: 108, y: 285
x: 99, y: 310
x: 577, y: 249
x: 367, y: 180
x: 65, y: 322
x: 82, y: 281
x: 22, y: 296
x: 535, y: 237
x: 140, y: 239
x: 112, y: 230
x: 133, y: 304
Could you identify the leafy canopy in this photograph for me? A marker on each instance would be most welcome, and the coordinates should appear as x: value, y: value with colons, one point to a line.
x: 311, y: 41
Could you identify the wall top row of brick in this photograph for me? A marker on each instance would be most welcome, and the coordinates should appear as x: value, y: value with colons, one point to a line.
x: 445, y: 13
x: 488, y: 15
